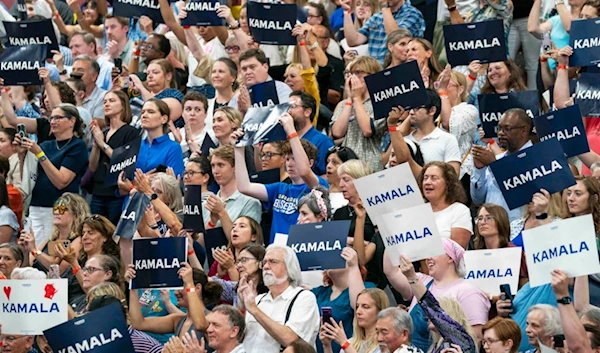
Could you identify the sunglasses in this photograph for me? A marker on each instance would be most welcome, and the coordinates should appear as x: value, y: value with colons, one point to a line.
x: 61, y: 209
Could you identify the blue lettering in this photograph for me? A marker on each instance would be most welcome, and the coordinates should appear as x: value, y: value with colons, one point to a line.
x: 559, y: 251
x: 27, y: 308
x: 408, y: 236
x: 389, y: 195
x: 489, y: 273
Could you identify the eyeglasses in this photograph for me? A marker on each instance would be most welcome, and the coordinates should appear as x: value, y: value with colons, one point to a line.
x: 312, y: 16
x: 61, y: 209
x: 232, y: 49
x: 294, y: 106
x: 271, y: 262
x: 91, y: 269
x: 93, y: 217
x: 243, y: 260
x: 58, y: 117
x: 482, y: 219
x: 269, y: 155
x: 191, y: 173
x: 508, y: 129
x: 146, y: 46
x: 355, y: 73
x: 489, y: 342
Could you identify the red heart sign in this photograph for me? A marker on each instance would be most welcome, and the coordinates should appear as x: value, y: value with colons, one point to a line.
x: 7, y: 291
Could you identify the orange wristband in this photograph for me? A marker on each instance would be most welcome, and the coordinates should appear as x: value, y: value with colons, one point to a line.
x: 564, y: 67
x: 292, y: 135
x: 345, y: 345
x: 543, y: 60
x: 6, y: 89
x: 191, y: 252
x: 302, y: 43
x: 75, y: 270
x: 472, y: 78
x: 2, y: 276
x: 348, y: 103
x: 443, y: 93
x: 211, y: 225
x: 392, y: 128
x: 190, y: 290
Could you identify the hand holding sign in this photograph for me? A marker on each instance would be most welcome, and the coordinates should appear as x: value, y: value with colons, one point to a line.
x: 541, y: 202
x: 396, y: 115
x: 287, y: 122
x: 350, y: 256
x: 560, y: 283
x: 186, y: 274
x: 407, y: 268
x: 563, y: 55
x: 129, y: 273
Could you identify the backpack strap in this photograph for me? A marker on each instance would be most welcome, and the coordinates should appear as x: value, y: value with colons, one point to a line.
x: 289, y: 312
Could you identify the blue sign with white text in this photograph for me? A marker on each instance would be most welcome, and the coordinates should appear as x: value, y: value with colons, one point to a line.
x: 567, y: 127
x: 483, y: 41
x: 19, y: 66
x: 585, y: 41
x: 261, y: 125
x: 401, y: 85
x: 32, y: 32
x: 492, y: 107
x: 101, y: 331
x: 157, y: 261
x: 587, y: 94
x: 123, y: 159
x: 272, y: 23
x: 214, y: 239
x: 132, y: 215
x: 203, y: 13
x: 319, y: 245
x: 542, y: 166
x: 137, y: 9
x: 264, y: 94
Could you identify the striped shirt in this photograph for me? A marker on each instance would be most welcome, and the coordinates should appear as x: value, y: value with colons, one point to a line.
x: 407, y: 17
x: 142, y: 343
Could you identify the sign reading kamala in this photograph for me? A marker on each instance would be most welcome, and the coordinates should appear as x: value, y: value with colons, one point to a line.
x: 566, y: 126
x: 31, y: 306
x: 124, y: 158
x: 92, y: 333
x: 541, y: 166
x: 493, y: 106
x: 488, y: 269
x: 19, y: 66
x: 401, y: 85
x: 157, y: 261
x: 319, y: 245
x: 264, y: 94
x: 132, y: 215
x: 411, y: 232
x: 214, y: 239
x: 483, y: 41
x: 272, y: 23
x: 137, y: 9
x: 388, y: 190
x: 584, y: 38
x: 22, y: 10
x: 587, y: 94
x: 261, y: 125
x: 192, y: 208
x: 32, y: 32
x: 203, y: 13
x: 569, y: 245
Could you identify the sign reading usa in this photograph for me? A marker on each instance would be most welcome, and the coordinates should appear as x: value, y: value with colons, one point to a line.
x: 483, y: 41
x: 541, y: 166
x: 488, y: 269
x: 584, y: 38
x: 567, y: 244
x: 567, y: 127
x: 31, y: 306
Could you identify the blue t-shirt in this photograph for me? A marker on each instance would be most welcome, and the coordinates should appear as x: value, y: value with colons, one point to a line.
x: 323, y: 143
x: 341, y: 309
x: 72, y: 155
x: 558, y: 35
x: 283, y: 199
x: 163, y: 151
x: 152, y: 305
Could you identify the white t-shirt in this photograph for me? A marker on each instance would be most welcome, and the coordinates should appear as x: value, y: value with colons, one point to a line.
x: 214, y: 49
x: 456, y: 215
x: 438, y: 146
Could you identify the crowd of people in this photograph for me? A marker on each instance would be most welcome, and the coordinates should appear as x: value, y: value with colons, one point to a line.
x: 182, y: 94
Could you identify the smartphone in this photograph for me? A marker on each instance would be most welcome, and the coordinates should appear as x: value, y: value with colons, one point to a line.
x: 446, y: 345
x: 326, y: 314
x: 546, y: 44
x: 506, y: 294
x: 77, y: 75
x: 66, y: 244
x: 559, y: 341
x: 118, y: 64
x: 21, y: 131
x: 161, y: 168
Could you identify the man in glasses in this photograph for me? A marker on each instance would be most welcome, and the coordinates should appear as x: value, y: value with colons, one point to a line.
x: 17, y: 343
x: 513, y: 135
x: 156, y: 46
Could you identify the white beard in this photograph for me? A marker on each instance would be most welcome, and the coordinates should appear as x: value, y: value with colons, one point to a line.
x: 270, y: 280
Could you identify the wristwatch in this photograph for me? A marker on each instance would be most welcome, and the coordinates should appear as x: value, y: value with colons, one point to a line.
x: 452, y: 8
x: 564, y: 300
x: 42, y: 158
x: 314, y: 46
x: 105, y: 147
x: 559, y: 2
x: 63, y: 72
x: 235, y: 25
x: 153, y: 197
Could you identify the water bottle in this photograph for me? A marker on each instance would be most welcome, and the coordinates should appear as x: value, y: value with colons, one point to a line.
x: 54, y: 272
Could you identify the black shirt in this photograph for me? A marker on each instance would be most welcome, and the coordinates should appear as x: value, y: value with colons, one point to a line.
x: 347, y: 212
x: 522, y: 8
x: 329, y: 77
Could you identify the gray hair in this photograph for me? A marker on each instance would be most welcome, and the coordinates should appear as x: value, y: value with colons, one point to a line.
x: 592, y: 314
x: 172, y: 190
x: 27, y: 273
x: 401, y: 319
x: 551, y: 318
x: 94, y: 66
x: 461, y: 268
x: 234, y: 317
x: 291, y: 264
x: 311, y: 200
x: 595, y: 166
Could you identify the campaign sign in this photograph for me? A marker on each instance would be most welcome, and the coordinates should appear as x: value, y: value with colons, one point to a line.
x: 31, y: 306
x: 319, y: 245
x: 542, y: 166
x: 567, y: 127
x: 411, y: 232
x: 488, y: 269
x: 137, y: 9
x: 401, y: 85
x: 132, y: 215
x: 492, y: 107
x: 100, y: 331
x: 264, y: 94
x: 22, y: 10
x: 587, y: 94
x: 266, y: 176
x: 214, y: 239
x: 483, y: 41
x: 207, y: 145
x: 19, y: 66
x: 203, y: 13
x: 272, y: 23
x: 192, y: 209
x: 123, y: 158
x: 32, y: 32
x: 567, y: 244
x: 261, y: 125
x: 157, y: 261
x: 584, y: 39
x: 388, y: 190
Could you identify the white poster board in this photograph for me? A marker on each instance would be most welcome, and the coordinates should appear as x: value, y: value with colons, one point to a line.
x: 568, y: 244
x: 28, y: 307
x: 488, y: 269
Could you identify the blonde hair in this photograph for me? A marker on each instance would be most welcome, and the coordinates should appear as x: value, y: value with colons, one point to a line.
x: 360, y: 342
x: 556, y: 209
x: 355, y: 168
x: 366, y: 64
x: 80, y: 210
x: 110, y: 289
x: 232, y: 114
x: 461, y: 81
x: 375, y: 8
x: 454, y: 309
x: 172, y: 190
x: 167, y: 68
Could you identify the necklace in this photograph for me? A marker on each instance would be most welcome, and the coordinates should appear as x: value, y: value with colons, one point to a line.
x: 60, y: 148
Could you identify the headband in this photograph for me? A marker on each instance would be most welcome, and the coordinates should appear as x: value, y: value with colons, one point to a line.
x: 320, y: 203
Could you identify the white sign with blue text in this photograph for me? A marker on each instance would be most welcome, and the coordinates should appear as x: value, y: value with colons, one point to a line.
x: 411, y: 232
x: 568, y: 245
x: 488, y: 269
x: 387, y: 191
x: 31, y: 306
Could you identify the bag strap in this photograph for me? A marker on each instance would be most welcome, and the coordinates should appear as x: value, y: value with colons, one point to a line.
x: 289, y: 312
x: 466, y: 155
